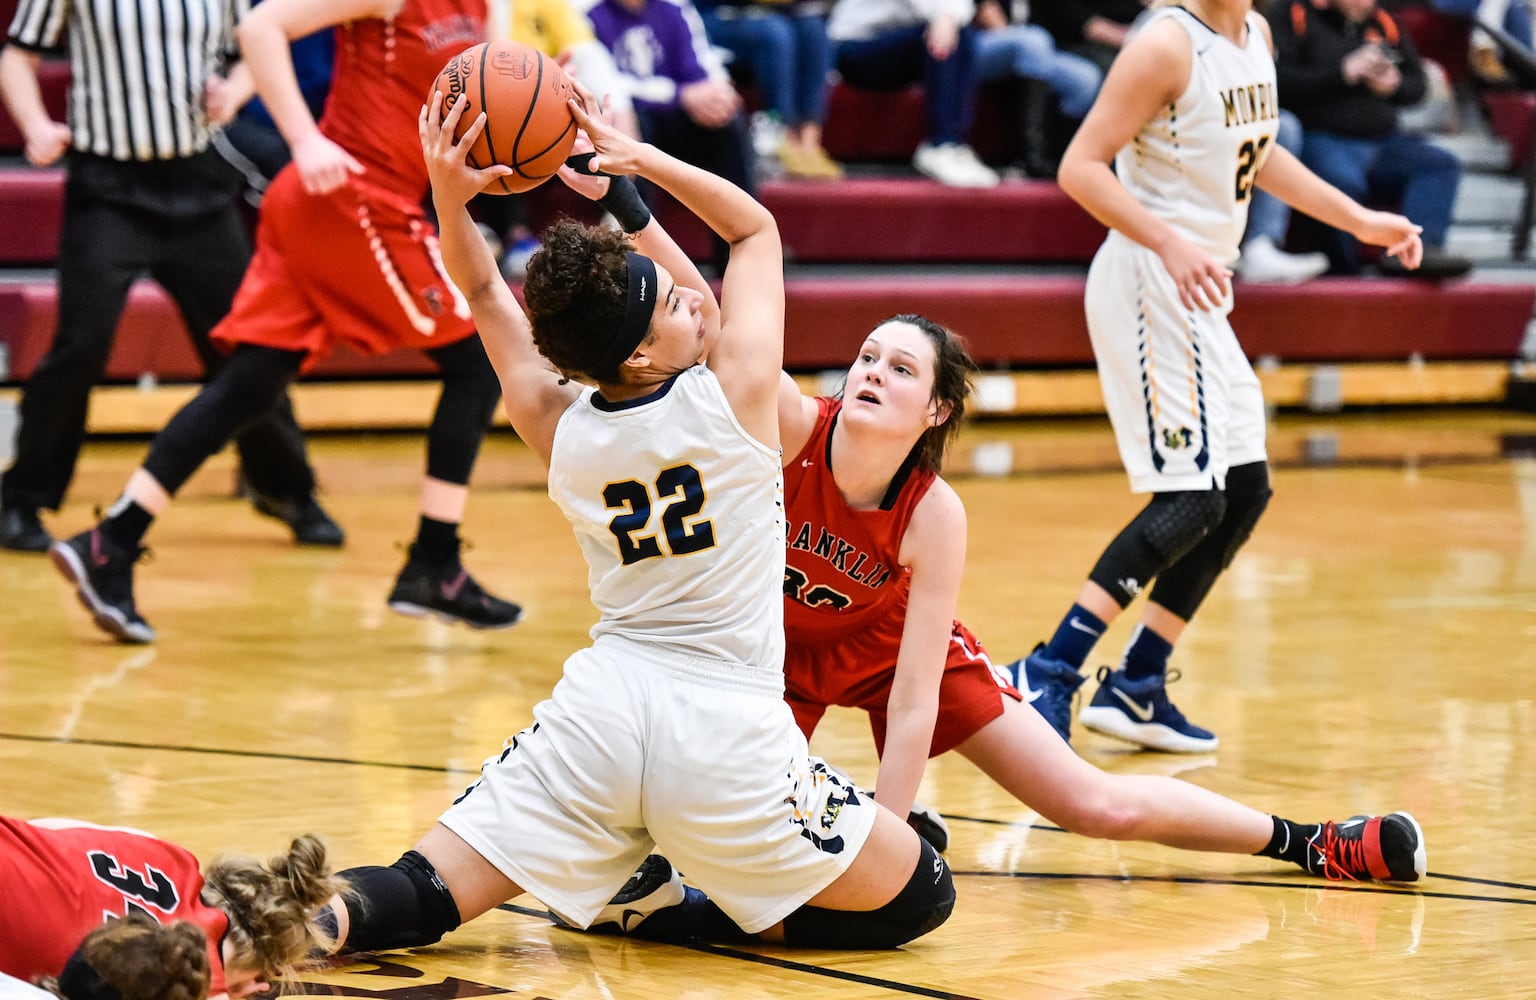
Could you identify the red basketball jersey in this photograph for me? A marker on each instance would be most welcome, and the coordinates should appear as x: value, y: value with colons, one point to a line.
x: 59, y: 882
x: 841, y: 578
x: 384, y: 70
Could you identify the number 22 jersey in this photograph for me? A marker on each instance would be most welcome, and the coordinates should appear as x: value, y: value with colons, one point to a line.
x: 1193, y: 164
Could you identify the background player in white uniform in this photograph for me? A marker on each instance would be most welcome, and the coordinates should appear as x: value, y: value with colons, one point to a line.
x: 669, y: 732
x: 1188, y: 114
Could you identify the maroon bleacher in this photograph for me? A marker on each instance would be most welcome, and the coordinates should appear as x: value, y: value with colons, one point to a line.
x: 858, y: 219
x: 1437, y: 35
x: 1009, y: 321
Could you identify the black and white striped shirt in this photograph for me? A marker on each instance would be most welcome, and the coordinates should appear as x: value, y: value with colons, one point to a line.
x: 138, y: 69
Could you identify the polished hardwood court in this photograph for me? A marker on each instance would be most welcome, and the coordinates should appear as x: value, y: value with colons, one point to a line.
x: 1373, y: 648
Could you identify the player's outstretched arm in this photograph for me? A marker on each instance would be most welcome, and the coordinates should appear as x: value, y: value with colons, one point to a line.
x: 750, y: 350
x: 1288, y: 179
x: 533, y: 391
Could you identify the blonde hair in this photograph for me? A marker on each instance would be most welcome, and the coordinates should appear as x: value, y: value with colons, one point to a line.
x: 142, y: 960
x: 271, y: 905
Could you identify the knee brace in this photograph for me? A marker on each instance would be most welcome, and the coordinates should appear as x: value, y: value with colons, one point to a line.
x: 924, y: 903
x: 403, y: 906
x: 470, y: 394
x: 1184, y: 585
x: 1166, y: 528
x: 1248, y: 496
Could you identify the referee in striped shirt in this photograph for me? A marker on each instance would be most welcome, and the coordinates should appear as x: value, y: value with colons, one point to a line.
x: 145, y: 194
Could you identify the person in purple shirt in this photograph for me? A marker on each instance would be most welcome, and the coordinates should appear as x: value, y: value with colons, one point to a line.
x: 683, y: 98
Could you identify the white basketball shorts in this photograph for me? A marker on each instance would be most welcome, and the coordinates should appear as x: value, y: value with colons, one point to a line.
x: 641, y: 749
x: 1183, y: 399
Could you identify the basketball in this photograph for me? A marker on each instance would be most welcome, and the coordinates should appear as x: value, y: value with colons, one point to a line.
x: 527, y: 124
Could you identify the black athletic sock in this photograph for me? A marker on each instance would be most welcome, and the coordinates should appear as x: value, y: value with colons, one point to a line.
x: 126, y: 523
x: 437, y: 542
x: 1289, y: 842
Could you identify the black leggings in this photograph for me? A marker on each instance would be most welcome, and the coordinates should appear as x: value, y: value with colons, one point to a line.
x: 257, y: 378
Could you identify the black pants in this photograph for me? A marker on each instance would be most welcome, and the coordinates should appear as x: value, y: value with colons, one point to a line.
x: 106, y: 245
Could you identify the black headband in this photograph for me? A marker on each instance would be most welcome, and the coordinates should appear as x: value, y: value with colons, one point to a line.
x: 80, y: 981
x: 639, y: 306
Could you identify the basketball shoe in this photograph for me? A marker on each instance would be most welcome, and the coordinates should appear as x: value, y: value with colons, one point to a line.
x: 1386, y: 848
x: 449, y: 593
x: 1048, y: 684
x: 102, y: 575
x: 308, y: 521
x: 925, y: 819
x: 1140, y: 712
x: 655, y: 885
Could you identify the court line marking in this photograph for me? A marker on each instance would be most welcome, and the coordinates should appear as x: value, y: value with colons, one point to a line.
x: 439, y: 769
x: 774, y: 961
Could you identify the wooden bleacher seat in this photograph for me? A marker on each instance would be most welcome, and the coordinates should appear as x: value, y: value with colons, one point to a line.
x: 1009, y: 320
x: 874, y: 220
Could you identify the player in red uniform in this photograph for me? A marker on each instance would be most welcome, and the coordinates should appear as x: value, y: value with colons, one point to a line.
x: 129, y: 958
x: 344, y: 254
x: 74, y: 876
x: 876, y: 548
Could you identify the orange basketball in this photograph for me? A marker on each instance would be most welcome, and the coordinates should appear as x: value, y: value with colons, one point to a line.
x: 528, y: 126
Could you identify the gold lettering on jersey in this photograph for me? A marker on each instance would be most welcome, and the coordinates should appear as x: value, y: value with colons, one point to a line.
x: 844, y: 556
x: 1245, y: 105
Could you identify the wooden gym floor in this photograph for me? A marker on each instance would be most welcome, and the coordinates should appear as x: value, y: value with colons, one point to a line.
x: 1374, y: 648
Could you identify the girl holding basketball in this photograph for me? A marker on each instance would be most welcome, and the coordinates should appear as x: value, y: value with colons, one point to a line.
x: 669, y: 732
x: 1188, y: 117
x: 344, y: 254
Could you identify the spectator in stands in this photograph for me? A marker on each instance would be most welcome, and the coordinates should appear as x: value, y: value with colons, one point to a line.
x: 1008, y: 47
x: 136, y: 201
x: 251, y: 142
x: 784, y: 47
x: 892, y: 44
x: 1269, y: 218
x: 561, y: 31
x: 1513, y: 17
x: 1344, y: 69
x: 684, y: 99
x: 1094, y: 29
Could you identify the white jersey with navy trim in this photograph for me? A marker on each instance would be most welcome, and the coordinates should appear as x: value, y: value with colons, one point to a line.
x: 1193, y: 165
x: 680, y: 515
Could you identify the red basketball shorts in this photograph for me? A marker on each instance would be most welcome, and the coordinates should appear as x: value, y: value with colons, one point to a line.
x: 358, y: 266
x: 970, y: 695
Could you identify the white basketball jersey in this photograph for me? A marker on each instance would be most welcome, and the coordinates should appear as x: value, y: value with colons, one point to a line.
x: 1193, y: 165
x: 680, y: 514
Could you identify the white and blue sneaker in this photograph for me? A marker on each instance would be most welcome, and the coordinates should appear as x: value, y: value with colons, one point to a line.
x: 1139, y: 712
x: 655, y: 885
x: 1048, y: 684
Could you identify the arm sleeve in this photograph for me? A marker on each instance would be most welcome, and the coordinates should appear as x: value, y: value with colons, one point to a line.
x: 39, y: 24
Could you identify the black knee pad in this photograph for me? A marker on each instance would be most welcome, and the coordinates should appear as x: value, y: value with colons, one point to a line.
x: 1165, y: 529
x: 403, y: 906
x: 924, y: 903
x: 1248, y: 495
x: 1183, y: 587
